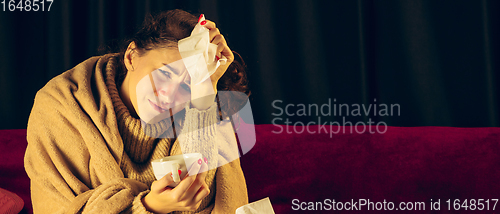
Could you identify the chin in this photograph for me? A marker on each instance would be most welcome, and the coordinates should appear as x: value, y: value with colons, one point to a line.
x: 150, y: 115
x: 154, y: 117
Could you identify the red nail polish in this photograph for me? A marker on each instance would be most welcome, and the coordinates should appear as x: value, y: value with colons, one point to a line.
x: 199, y: 161
x: 217, y: 57
x: 203, y: 22
x: 201, y: 15
x: 179, y: 171
x: 206, y: 161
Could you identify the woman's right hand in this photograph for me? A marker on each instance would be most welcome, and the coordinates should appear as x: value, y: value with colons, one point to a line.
x: 186, y: 196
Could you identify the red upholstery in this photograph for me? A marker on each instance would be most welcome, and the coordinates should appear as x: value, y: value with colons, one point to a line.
x: 403, y: 165
x: 12, y: 175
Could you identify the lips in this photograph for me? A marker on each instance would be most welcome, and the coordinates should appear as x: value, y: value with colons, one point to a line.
x: 158, y: 108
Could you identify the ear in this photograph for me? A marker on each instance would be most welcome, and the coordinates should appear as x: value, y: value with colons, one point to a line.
x: 129, y: 56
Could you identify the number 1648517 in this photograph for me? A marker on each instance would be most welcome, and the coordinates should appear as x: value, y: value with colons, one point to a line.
x: 26, y: 5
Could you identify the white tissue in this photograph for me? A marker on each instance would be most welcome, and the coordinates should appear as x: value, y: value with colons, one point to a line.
x: 198, y: 54
x: 262, y: 206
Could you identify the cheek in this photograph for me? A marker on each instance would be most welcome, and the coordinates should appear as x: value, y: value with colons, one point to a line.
x: 140, y: 91
x: 183, y: 96
x: 180, y: 100
x: 133, y: 94
x: 143, y: 87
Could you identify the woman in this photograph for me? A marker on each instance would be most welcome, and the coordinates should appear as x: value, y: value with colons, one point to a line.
x: 90, y: 148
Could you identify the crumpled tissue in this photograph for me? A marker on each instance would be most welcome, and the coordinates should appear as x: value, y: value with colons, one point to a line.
x: 199, y: 54
x: 262, y: 206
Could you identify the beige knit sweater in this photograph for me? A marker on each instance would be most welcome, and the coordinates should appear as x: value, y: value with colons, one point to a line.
x: 87, y: 154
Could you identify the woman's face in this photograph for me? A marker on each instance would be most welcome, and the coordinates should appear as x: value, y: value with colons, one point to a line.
x: 159, y: 84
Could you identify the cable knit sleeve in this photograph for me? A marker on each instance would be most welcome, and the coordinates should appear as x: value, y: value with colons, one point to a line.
x: 199, y: 133
x: 203, y: 132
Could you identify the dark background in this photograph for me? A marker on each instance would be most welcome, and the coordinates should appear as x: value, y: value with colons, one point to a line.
x: 437, y: 59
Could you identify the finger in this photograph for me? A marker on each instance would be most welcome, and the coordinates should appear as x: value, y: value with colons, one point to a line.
x: 223, y: 48
x: 193, y: 189
x: 189, y: 179
x: 195, y: 168
x: 201, y: 194
x: 209, y: 24
x: 203, y: 172
x: 198, y: 182
x: 218, y: 39
x: 212, y: 33
x: 162, y: 184
x: 225, y: 51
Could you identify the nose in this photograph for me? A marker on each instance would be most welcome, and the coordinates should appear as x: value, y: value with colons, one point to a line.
x: 166, y: 93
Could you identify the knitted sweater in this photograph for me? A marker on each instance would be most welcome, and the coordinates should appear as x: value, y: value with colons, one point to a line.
x: 87, y: 154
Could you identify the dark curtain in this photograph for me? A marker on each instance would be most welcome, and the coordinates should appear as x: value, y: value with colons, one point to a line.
x: 437, y: 60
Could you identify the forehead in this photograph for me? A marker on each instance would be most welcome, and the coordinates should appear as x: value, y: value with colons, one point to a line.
x: 169, y: 59
x: 164, y: 55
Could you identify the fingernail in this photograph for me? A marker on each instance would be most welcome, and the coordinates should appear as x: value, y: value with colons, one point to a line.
x: 203, y: 22
x: 217, y: 57
x: 201, y: 15
x: 199, y: 161
x: 179, y: 171
x: 206, y: 161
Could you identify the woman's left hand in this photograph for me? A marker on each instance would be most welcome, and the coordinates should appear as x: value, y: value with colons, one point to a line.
x: 222, y: 50
x: 203, y: 95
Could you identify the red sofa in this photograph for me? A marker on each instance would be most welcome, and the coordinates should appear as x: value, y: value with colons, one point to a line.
x: 303, y: 171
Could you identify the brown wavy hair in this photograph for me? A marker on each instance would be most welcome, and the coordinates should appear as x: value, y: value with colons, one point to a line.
x: 164, y: 30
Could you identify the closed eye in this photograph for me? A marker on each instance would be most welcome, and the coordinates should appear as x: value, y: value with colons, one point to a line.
x: 186, y: 87
x: 166, y: 73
